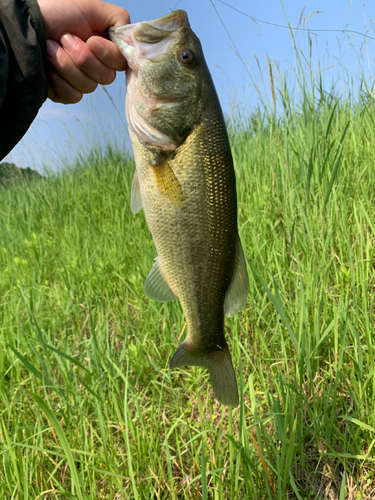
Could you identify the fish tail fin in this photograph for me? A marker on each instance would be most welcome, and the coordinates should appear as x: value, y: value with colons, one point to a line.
x: 219, y: 366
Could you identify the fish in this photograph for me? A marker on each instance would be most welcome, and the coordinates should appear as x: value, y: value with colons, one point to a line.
x: 185, y: 182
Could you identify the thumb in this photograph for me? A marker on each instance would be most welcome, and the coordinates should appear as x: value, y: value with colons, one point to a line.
x: 113, y: 15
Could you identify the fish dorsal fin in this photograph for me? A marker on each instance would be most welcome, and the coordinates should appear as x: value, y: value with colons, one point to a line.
x: 167, y: 183
x: 156, y: 287
x: 236, y: 295
x: 135, y: 199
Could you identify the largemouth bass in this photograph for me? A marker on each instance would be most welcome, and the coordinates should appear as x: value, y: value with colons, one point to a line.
x: 186, y: 184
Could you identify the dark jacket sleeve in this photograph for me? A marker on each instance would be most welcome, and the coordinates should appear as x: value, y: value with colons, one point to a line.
x: 23, y: 60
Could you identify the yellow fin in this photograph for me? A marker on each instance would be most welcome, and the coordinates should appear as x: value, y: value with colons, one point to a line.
x: 168, y: 184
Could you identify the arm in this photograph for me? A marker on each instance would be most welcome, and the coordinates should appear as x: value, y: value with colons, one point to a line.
x: 75, y: 58
x: 23, y: 82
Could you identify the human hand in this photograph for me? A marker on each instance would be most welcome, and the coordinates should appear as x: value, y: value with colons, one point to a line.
x: 78, y: 67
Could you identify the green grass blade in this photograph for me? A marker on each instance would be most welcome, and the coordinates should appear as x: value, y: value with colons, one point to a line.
x: 76, y: 482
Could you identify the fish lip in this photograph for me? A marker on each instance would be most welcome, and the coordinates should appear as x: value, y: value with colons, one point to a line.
x: 126, y: 37
x: 127, y: 46
x: 171, y: 22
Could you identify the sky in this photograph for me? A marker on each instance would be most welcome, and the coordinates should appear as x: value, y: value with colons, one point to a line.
x: 236, y: 49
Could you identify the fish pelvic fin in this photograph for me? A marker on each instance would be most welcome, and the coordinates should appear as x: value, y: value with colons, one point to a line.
x: 135, y: 200
x: 156, y: 286
x: 219, y: 366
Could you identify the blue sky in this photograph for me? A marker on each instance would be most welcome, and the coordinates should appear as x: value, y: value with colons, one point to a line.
x: 60, y: 133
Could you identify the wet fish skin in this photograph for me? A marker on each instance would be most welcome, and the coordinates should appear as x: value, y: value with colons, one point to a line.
x: 186, y: 184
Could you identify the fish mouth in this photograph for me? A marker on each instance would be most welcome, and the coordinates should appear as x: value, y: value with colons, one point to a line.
x: 172, y: 21
x: 149, y: 39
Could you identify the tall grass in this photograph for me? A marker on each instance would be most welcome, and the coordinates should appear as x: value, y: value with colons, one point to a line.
x: 88, y: 407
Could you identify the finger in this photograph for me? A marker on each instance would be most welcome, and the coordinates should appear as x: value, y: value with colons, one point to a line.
x: 83, y: 18
x: 59, y: 90
x: 117, y: 17
x: 107, y: 15
x: 86, y: 60
x: 107, y: 52
x: 64, y: 65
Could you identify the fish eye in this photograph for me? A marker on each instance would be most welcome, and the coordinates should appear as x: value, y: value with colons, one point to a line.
x: 186, y: 56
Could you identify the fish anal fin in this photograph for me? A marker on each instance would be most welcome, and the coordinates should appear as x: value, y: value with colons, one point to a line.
x: 156, y: 286
x: 236, y: 295
x: 135, y: 200
x: 219, y: 366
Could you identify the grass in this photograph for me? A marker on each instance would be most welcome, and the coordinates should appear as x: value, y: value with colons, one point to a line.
x: 88, y: 407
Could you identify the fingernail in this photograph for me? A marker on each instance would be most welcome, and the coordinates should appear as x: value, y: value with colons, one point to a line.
x: 68, y: 41
x: 51, y: 48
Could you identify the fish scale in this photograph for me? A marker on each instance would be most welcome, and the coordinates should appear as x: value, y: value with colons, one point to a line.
x: 195, y: 241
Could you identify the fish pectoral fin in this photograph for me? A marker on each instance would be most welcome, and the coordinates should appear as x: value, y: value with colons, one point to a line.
x: 135, y: 199
x: 167, y: 183
x: 219, y: 366
x: 156, y: 286
x: 236, y: 295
